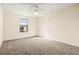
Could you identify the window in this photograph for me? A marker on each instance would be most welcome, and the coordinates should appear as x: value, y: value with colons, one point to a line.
x: 23, y: 25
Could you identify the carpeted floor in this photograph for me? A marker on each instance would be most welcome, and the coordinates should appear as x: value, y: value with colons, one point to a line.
x: 37, y: 46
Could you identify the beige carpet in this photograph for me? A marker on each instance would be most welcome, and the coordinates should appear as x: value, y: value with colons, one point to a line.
x: 37, y: 46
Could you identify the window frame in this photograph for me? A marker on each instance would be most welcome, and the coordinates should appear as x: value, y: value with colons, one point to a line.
x: 23, y: 28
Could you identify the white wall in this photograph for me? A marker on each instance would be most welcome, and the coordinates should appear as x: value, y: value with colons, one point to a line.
x: 1, y: 24
x: 61, y: 26
x: 11, y: 26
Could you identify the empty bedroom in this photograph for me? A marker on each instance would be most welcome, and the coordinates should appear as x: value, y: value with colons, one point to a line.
x: 39, y: 29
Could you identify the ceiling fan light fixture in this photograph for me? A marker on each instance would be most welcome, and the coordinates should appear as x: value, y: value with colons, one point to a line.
x: 36, y: 13
x: 36, y: 9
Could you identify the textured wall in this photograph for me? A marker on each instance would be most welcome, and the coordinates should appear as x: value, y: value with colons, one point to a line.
x: 61, y: 26
x: 1, y: 25
x: 11, y: 26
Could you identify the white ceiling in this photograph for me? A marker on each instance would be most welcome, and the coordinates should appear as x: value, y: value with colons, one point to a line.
x: 25, y: 8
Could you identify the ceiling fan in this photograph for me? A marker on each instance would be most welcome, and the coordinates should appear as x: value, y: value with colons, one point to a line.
x: 35, y: 8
